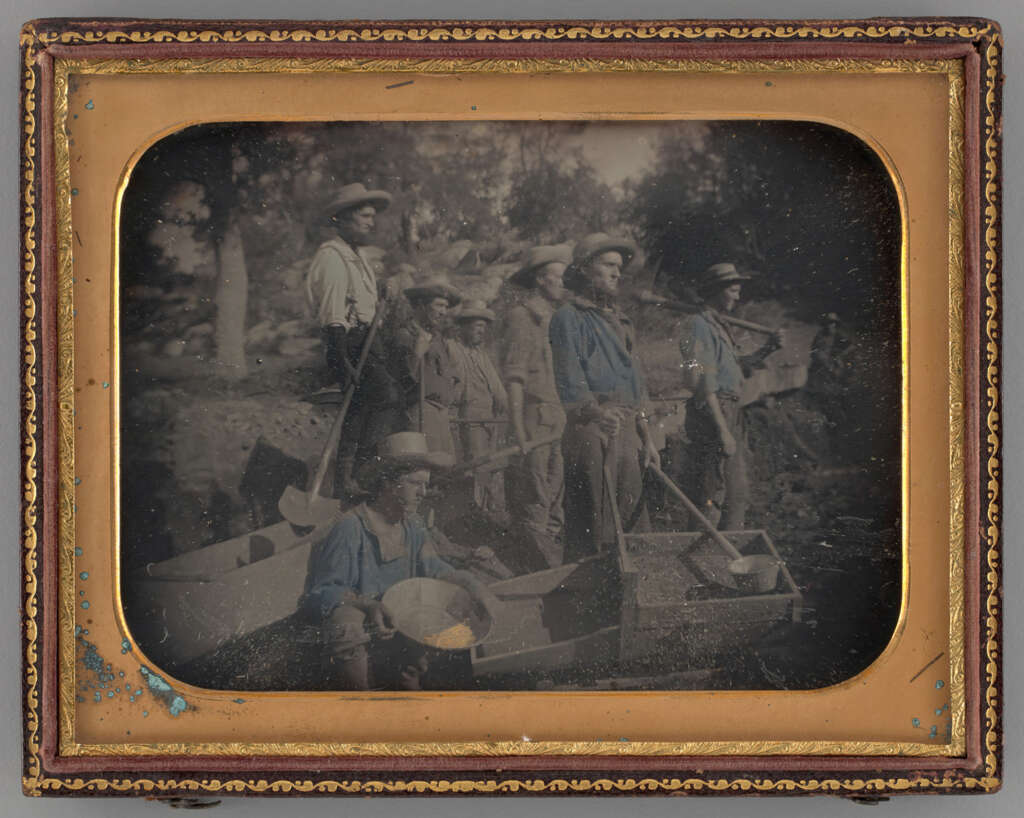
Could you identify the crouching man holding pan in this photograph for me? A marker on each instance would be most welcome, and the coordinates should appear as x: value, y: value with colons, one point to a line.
x: 374, y: 546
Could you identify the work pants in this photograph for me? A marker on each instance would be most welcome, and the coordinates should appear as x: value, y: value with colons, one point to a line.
x: 589, y: 522
x: 479, y: 440
x: 351, y: 660
x: 535, y: 484
x: 718, y: 484
x: 375, y: 411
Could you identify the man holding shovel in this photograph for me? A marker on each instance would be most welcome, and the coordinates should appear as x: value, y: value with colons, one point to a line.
x: 604, y: 397
x: 342, y: 292
x: 714, y: 419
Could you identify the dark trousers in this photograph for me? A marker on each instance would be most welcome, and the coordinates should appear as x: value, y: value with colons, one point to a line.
x: 717, y: 484
x: 589, y: 522
x: 376, y: 408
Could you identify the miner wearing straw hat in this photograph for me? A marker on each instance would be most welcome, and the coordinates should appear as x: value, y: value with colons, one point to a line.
x: 602, y: 390
x: 482, y: 401
x: 342, y: 293
x: 535, y: 483
x: 714, y: 418
x: 373, y: 546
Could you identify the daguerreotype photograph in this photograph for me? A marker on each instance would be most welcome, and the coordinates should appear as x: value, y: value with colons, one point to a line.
x: 588, y: 405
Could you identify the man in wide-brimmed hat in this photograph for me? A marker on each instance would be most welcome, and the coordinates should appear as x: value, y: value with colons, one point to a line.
x: 714, y: 419
x: 375, y: 545
x: 482, y: 400
x: 342, y: 293
x: 422, y: 361
x: 604, y: 396
x: 535, y: 483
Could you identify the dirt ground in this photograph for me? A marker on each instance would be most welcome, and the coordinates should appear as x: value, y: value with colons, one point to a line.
x: 828, y: 502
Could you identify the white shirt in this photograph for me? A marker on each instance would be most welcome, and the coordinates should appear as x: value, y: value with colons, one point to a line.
x: 340, y: 286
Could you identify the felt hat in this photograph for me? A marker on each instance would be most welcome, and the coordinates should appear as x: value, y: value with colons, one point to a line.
x: 404, y: 450
x: 537, y: 257
x: 597, y: 243
x: 474, y: 309
x: 355, y: 195
x: 718, y: 277
x: 594, y: 245
x: 433, y: 288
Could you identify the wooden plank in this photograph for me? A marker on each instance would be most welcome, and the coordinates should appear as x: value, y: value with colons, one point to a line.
x: 185, y: 619
x: 581, y: 651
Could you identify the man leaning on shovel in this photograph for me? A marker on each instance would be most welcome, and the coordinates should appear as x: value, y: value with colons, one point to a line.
x: 342, y: 292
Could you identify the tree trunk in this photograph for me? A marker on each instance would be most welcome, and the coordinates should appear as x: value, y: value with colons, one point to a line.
x: 232, y: 294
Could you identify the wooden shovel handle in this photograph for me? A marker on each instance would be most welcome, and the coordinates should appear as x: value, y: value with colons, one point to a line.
x: 483, y: 460
x: 716, y: 535
x: 649, y: 297
x: 339, y: 421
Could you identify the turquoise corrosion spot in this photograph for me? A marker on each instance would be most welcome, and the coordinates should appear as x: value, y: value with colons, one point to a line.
x: 158, y: 687
x: 85, y: 605
x: 84, y: 575
x: 940, y: 684
x: 90, y: 105
x: 78, y: 551
x: 915, y: 722
x: 78, y: 481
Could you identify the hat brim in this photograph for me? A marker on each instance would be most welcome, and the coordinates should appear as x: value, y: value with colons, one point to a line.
x: 450, y: 294
x: 627, y: 248
x: 472, y: 315
x: 526, y: 276
x: 432, y: 461
x: 721, y: 283
x: 380, y: 199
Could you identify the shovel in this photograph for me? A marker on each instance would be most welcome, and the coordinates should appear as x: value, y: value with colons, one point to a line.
x: 715, y: 534
x: 497, y: 456
x: 306, y: 509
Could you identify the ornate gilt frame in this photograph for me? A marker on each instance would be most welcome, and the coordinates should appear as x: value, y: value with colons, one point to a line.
x: 966, y: 52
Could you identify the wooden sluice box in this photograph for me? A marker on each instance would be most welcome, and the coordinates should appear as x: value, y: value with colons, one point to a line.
x: 665, y: 598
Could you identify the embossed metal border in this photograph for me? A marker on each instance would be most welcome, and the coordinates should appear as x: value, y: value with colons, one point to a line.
x: 36, y: 781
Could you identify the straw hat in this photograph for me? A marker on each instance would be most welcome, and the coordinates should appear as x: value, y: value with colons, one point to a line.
x: 537, y: 257
x: 433, y: 288
x: 355, y: 195
x: 474, y: 309
x: 403, y: 451
x: 718, y: 277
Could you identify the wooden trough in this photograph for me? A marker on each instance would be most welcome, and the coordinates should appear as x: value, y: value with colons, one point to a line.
x: 663, y: 596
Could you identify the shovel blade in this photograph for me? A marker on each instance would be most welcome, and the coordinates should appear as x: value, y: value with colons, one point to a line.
x: 298, y: 508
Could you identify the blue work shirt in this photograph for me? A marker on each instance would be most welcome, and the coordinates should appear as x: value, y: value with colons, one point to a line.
x: 349, y: 559
x: 592, y: 363
x: 713, y: 347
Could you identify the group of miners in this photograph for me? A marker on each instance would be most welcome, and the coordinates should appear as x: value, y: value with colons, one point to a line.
x: 567, y: 391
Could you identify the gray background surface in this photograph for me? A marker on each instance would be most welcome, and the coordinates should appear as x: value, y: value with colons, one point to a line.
x: 1009, y: 13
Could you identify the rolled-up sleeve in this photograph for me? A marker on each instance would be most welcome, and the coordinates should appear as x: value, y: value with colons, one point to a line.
x: 566, y: 355
x: 333, y: 569
x: 431, y: 564
x: 703, y: 351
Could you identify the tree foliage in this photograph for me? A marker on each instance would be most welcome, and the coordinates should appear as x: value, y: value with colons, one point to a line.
x: 808, y: 209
